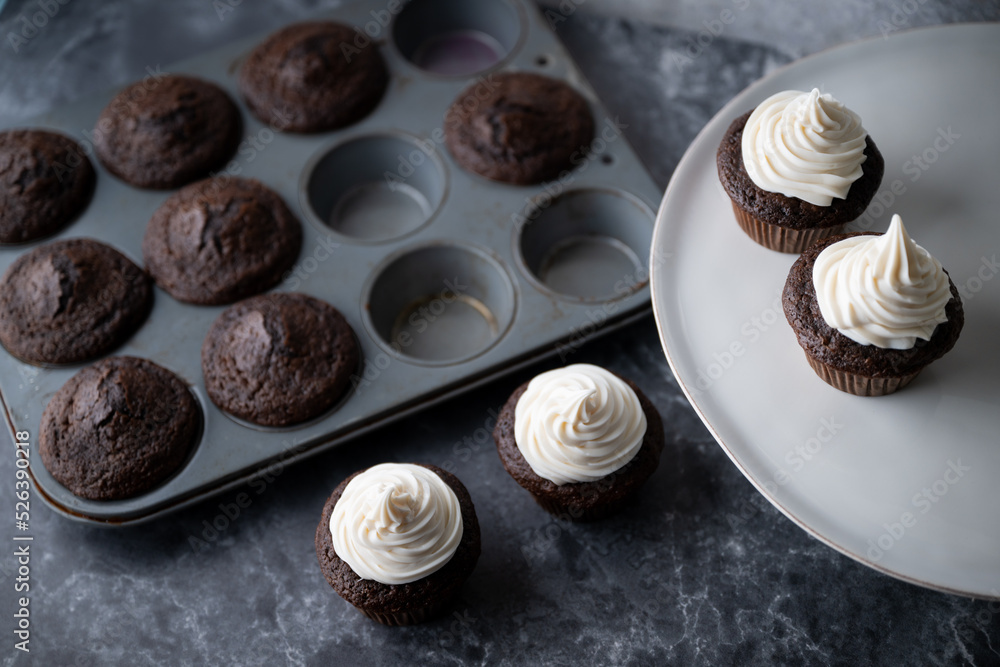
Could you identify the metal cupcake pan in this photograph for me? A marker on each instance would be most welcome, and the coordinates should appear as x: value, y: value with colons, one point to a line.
x: 449, y: 280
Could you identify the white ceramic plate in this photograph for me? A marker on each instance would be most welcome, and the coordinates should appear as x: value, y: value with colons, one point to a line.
x: 909, y: 483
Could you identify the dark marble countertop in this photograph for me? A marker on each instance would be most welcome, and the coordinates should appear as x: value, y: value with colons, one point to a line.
x: 703, y: 571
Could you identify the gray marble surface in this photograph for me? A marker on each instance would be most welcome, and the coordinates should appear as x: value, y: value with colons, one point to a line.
x: 703, y: 571
x: 803, y: 26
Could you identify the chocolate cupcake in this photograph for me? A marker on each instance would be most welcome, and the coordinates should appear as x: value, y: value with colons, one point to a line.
x: 164, y: 133
x: 45, y: 183
x: 309, y: 77
x: 797, y: 169
x: 581, y: 439
x: 864, y: 329
x: 118, y: 429
x: 397, y: 541
x: 279, y: 359
x: 71, y: 301
x: 519, y: 128
x: 221, y: 240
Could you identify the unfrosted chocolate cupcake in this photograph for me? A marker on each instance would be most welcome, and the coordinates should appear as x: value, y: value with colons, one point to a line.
x: 221, y: 240
x: 118, y: 428
x: 309, y: 77
x: 871, y: 337
x: 279, y: 359
x: 71, y: 301
x: 814, y: 169
x: 519, y: 128
x: 580, y: 439
x: 46, y: 181
x: 164, y: 133
x: 410, y: 568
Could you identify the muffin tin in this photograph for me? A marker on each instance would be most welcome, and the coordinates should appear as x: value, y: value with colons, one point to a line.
x: 449, y: 280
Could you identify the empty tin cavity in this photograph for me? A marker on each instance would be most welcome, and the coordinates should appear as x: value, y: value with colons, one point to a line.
x: 440, y: 303
x: 457, y: 37
x: 375, y: 188
x: 586, y: 245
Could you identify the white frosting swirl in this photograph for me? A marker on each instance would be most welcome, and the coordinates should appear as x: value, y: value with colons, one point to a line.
x: 396, y: 523
x: 881, y: 290
x: 578, y: 424
x: 804, y: 145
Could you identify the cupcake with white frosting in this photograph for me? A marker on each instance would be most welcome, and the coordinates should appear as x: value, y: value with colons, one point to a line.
x: 581, y: 439
x: 798, y: 168
x: 871, y: 311
x: 398, y: 540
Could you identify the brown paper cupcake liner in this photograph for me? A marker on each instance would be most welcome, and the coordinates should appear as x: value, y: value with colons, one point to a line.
x: 859, y: 385
x: 782, y: 239
x: 584, y: 515
x: 410, y: 616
